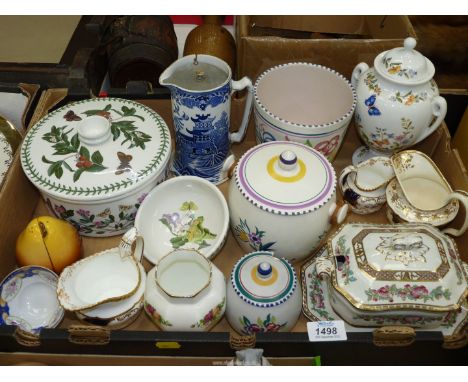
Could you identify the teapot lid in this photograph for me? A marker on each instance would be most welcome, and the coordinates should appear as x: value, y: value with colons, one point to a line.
x: 404, y: 65
x: 96, y: 149
x: 263, y: 280
x: 285, y: 178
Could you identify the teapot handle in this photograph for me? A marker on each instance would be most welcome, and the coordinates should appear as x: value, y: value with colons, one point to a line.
x: 347, y: 170
x: 439, y: 109
x: 463, y: 198
x: 131, y: 244
x: 357, y: 73
x: 236, y: 86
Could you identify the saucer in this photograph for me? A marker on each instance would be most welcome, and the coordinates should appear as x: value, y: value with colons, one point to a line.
x: 28, y: 299
x: 397, y: 201
x: 185, y: 212
x: 316, y: 304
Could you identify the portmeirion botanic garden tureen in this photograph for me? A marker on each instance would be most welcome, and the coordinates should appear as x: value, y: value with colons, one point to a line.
x: 406, y: 274
x: 263, y: 294
x: 283, y: 199
x: 398, y: 102
x: 95, y: 160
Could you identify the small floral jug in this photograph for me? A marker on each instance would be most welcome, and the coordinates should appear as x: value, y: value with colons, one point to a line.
x: 398, y: 102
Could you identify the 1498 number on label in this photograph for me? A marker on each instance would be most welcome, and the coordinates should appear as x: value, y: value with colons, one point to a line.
x: 326, y: 331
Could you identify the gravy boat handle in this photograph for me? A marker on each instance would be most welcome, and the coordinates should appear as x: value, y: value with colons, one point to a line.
x: 461, y: 196
x: 131, y: 244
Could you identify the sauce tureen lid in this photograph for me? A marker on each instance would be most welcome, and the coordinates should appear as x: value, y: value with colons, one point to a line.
x: 262, y: 280
x: 96, y: 149
x: 405, y: 65
x: 285, y: 178
x: 405, y: 266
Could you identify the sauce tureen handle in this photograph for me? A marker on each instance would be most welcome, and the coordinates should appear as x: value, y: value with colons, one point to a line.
x: 357, y: 73
x: 324, y: 266
x: 463, y: 198
x: 439, y: 110
x: 131, y: 244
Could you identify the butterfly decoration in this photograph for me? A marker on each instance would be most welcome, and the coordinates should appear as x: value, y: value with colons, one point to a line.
x: 71, y: 116
x: 124, y: 165
x: 372, y: 110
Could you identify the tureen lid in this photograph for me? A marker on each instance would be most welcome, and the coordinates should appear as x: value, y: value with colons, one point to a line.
x: 286, y: 178
x: 404, y: 65
x: 260, y: 279
x: 405, y: 266
x: 96, y: 149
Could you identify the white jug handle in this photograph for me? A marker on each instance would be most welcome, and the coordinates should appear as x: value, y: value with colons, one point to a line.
x: 131, y: 244
x: 236, y: 86
x: 347, y: 170
x: 357, y: 73
x: 462, y: 196
x: 439, y: 109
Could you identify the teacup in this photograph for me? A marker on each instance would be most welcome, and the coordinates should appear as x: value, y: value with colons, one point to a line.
x: 426, y: 190
x: 363, y: 186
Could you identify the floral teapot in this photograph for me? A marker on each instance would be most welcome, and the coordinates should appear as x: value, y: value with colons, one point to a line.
x: 398, y: 102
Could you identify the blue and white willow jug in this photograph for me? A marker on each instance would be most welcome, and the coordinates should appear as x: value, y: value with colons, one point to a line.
x: 201, y: 88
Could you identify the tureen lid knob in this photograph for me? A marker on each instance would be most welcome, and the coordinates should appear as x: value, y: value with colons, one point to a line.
x: 264, y: 269
x: 287, y: 160
x: 94, y: 130
x: 410, y: 43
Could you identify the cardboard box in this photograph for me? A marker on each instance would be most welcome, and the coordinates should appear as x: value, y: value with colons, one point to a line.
x: 338, y: 42
x: 142, y: 339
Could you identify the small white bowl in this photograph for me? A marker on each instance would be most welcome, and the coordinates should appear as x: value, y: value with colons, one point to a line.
x: 117, y: 314
x: 186, y: 212
x: 28, y: 299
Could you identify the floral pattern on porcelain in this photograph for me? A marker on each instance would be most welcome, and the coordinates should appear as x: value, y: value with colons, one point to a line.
x: 396, y: 68
x: 343, y: 267
x: 260, y: 326
x: 412, y: 320
x: 254, y: 239
x: 316, y: 297
x: 100, y: 222
x: 186, y: 228
x: 408, y: 292
x: 212, y: 317
x: 155, y: 316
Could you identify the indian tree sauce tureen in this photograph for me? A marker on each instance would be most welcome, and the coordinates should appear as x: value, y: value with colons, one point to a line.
x: 410, y: 270
x: 95, y: 160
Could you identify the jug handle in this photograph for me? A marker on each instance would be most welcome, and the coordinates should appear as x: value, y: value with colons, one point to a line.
x: 236, y: 86
x: 131, y: 244
x: 347, y: 170
x: 439, y: 109
x: 357, y: 73
x: 463, y: 198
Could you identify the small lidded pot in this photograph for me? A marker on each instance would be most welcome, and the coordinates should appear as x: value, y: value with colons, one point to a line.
x: 282, y: 198
x: 185, y: 292
x: 263, y: 294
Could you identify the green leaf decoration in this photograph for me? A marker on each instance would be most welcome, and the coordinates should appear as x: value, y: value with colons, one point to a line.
x: 52, y: 169
x: 115, y: 132
x: 78, y: 173
x: 45, y: 160
x: 84, y: 152
x: 178, y: 241
x: 186, y: 206
x: 97, y: 157
x: 59, y: 172
x: 75, y: 141
x: 108, y: 107
x: 95, y: 168
x: 67, y: 166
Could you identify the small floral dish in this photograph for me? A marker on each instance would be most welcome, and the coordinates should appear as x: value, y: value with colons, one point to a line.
x: 28, y: 299
x: 185, y: 292
x: 186, y: 212
x: 95, y: 160
x: 317, y: 305
x: 263, y: 295
x: 375, y: 272
x: 118, y: 314
x: 108, y: 276
x: 10, y: 139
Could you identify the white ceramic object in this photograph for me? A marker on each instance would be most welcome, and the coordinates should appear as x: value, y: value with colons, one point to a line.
x: 263, y: 294
x: 201, y: 87
x: 118, y: 314
x: 426, y: 190
x: 305, y: 103
x: 398, y: 102
x: 10, y: 139
x: 95, y: 160
x: 363, y: 186
x: 28, y: 299
x: 317, y: 306
x: 379, y: 271
x: 282, y: 198
x: 185, y: 292
x: 183, y: 213
x: 108, y: 276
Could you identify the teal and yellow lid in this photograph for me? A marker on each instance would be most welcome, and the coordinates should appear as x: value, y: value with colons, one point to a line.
x: 263, y: 280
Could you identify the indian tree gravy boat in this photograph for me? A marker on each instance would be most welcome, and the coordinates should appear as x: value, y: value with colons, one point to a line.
x: 95, y: 160
x: 374, y: 272
x: 317, y: 306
